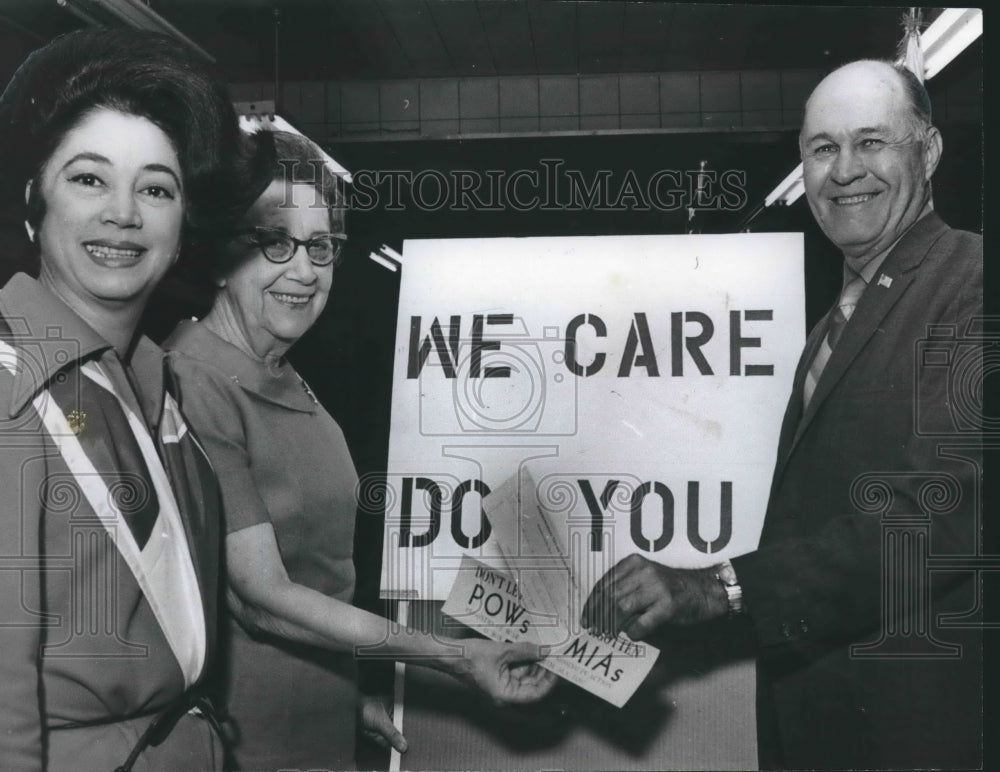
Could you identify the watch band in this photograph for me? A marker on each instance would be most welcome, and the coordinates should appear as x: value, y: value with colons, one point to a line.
x: 726, y: 574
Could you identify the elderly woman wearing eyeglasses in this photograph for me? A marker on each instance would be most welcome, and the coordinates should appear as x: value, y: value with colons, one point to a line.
x: 288, y: 486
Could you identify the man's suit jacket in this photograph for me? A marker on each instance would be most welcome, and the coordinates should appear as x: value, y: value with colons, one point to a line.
x: 873, y: 483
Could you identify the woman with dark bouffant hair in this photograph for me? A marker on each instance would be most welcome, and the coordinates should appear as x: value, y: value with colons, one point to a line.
x: 113, y: 144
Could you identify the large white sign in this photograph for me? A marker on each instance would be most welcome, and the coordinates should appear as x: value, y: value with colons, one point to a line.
x: 642, y: 379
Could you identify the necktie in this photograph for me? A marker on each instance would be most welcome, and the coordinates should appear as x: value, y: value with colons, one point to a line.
x: 849, y: 297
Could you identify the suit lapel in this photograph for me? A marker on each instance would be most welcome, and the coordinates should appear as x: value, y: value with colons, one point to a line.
x: 793, y: 412
x: 871, y: 310
x: 888, y: 285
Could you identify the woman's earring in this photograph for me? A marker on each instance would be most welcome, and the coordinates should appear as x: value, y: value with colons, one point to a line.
x: 220, y: 282
x: 30, y: 230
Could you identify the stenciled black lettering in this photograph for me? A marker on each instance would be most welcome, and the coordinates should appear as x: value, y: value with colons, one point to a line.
x: 435, y: 495
x: 419, y: 350
x: 479, y: 346
x: 597, y: 512
x: 666, y: 510
x: 725, y: 519
x: 737, y: 342
x: 638, y: 334
x: 600, y: 330
x: 693, y: 344
x: 461, y: 539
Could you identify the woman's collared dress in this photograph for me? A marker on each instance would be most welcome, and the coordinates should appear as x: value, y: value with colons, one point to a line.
x: 280, y: 459
x: 109, y: 548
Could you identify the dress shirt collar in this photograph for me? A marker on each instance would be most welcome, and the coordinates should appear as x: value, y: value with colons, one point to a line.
x: 51, y: 337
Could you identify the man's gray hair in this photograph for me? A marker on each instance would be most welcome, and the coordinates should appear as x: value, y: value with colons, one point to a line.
x: 916, y: 94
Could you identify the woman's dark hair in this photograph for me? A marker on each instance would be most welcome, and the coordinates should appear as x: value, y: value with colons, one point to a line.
x: 137, y: 73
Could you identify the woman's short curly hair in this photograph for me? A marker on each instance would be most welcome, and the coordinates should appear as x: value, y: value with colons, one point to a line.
x: 138, y: 73
x: 280, y: 156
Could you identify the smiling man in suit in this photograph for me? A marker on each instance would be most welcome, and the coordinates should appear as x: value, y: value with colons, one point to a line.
x: 869, y: 651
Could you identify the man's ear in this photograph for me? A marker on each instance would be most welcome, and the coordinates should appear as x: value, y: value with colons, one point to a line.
x: 933, y: 146
x: 27, y: 197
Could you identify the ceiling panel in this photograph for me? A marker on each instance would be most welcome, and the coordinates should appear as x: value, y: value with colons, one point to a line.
x: 556, y: 39
x: 344, y: 52
x: 599, y: 30
x: 822, y: 36
x: 460, y: 31
x: 372, y: 33
x: 511, y: 36
x: 693, y: 37
x: 732, y: 35
x: 387, y: 39
x: 410, y: 24
x: 645, y: 31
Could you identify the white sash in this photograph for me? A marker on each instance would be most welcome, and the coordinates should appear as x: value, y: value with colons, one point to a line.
x: 163, y: 568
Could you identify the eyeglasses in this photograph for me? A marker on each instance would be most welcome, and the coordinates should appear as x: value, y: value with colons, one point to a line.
x: 278, y: 246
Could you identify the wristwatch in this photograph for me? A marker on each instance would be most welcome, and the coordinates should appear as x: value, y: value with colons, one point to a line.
x: 726, y: 574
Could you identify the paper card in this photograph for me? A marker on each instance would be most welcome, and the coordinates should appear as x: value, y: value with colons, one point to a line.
x: 538, y: 552
x: 488, y: 600
x: 611, y: 668
x: 538, y: 599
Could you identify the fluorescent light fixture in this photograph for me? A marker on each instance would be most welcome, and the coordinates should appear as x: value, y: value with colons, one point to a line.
x: 253, y: 122
x: 132, y: 13
x: 950, y: 34
x: 387, y: 258
x: 788, y: 190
